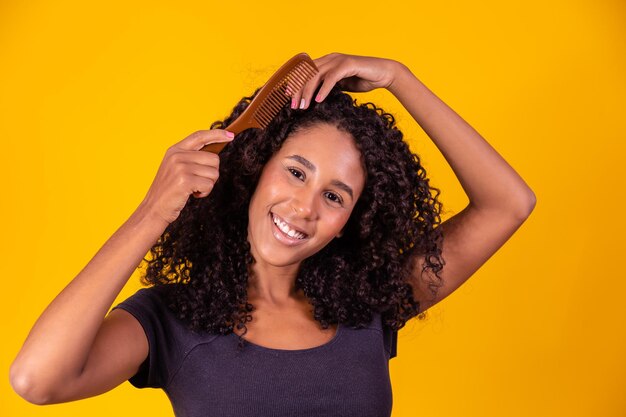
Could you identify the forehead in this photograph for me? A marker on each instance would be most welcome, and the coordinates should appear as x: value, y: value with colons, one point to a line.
x: 331, y: 150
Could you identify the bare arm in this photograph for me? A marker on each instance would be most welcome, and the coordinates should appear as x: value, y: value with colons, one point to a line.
x: 488, y: 180
x: 72, y: 351
x: 500, y: 200
x: 58, y: 346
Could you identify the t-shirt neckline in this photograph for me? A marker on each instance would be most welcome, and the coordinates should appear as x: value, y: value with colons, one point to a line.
x: 288, y: 351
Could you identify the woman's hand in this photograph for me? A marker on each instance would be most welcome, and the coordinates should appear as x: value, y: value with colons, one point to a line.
x: 350, y: 72
x: 185, y: 170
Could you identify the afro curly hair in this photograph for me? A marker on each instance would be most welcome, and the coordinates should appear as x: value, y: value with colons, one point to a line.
x: 202, y: 260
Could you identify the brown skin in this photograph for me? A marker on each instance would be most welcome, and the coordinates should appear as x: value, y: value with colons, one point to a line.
x: 499, y: 199
x: 74, y: 352
x: 305, y: 197
x: 308, y: 198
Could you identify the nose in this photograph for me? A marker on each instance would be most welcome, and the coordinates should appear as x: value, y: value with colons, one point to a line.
x: 303, y: 205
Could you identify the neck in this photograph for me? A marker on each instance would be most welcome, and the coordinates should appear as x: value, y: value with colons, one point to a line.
x: 275, y: 286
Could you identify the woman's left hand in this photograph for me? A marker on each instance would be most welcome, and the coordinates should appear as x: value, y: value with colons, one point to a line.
x: 350, y: 72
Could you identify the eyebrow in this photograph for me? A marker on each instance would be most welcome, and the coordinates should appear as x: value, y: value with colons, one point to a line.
x: 312, y: 168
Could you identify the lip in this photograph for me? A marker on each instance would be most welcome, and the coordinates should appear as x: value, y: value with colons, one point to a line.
x: 282, y: 237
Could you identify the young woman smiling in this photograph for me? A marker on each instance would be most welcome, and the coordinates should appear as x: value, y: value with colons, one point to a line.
x: 280, y: 287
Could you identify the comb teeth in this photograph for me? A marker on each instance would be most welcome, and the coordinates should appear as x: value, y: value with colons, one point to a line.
x: 292, y: 82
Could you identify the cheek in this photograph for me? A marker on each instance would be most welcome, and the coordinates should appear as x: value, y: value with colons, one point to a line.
x: 268, y: 190
x: 336, y: 223
x: 274, y: 187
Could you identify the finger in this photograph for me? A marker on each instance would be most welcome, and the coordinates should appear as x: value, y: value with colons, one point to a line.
x: 297, y: 97
x: 332, y: 75
x: 221, y: 136
x: 202, y: 187
x: 293, y: 92
x: 216, y: 146
x: 328, y: 84
x: 198, y: 139
x: 304, y: 95
x: 302, y: 98
x: 184, y: 163
x: 203, y: 171
x: 202, y: 158
x: 325, y: 59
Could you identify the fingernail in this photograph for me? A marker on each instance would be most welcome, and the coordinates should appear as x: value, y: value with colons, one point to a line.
x: 318, y: 98
x: 302, y: 103
x: 293, y: 103
x: 230, y: 134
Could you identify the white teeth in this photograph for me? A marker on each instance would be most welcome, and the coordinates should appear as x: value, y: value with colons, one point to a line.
x: 285, y: 229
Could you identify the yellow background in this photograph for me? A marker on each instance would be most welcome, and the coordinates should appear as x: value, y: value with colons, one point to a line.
x: 91, y: 96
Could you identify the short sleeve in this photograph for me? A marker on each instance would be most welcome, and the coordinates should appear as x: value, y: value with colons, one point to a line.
x: 164, y: 335
x: 391, y: 341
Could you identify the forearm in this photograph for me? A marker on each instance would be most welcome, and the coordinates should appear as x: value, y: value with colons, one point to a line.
x: 488, y: 180
x: 59, y: 343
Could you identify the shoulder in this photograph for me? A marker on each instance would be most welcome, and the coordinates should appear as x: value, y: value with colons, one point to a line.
x: 143, y: 301
x: 168, y: 338
x: 386, y: 334
x: 150, y: 306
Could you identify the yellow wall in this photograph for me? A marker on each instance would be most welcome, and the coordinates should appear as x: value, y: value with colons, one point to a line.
x: 92, y: 96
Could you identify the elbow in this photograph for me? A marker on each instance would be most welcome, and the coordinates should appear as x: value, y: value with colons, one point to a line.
x: 531, y: 202
x: 525, y: 206
x: 23, y: 384
x: 517, y: 207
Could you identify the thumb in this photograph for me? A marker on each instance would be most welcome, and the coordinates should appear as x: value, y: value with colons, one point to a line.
x: 218, y: 136
x: 200, y: 138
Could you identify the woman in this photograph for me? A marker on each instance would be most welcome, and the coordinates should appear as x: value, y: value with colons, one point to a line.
x: 319, y: 241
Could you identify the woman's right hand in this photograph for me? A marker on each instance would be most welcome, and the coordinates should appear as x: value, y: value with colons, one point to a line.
x: 185, y: 170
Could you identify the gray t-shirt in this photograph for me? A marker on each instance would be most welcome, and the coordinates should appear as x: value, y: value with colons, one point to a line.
x: 205, y: 374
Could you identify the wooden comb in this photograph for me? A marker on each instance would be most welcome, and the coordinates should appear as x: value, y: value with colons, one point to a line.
x: 276, y: 92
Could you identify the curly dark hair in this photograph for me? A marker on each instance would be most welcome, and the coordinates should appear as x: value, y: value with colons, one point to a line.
x: 202, y: 260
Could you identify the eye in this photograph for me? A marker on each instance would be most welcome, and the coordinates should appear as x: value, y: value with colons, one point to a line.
x: 292, y: 170
x: 335, y: 198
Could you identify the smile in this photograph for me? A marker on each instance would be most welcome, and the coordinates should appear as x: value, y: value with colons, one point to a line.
x: 286, y: 234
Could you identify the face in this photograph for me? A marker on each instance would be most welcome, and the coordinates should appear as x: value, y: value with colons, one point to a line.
x: 305, y: 195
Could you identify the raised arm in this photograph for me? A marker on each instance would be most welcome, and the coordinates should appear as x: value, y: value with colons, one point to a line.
x: 73, y: 351
x: 499, y: 199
